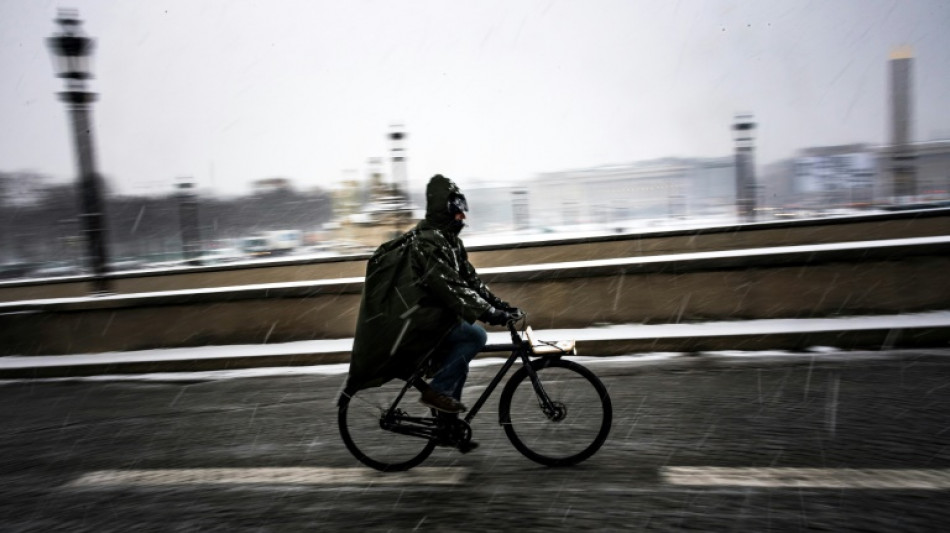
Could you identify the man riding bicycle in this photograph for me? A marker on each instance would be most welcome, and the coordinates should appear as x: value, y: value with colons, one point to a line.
x: 422, y: 297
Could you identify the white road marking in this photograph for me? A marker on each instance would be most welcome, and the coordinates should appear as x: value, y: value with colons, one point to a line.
x: 270, y: 476
x: 826, y: 478
x: 685, y: 476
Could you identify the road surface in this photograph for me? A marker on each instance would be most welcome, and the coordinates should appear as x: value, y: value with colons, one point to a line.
x: 833, y: 441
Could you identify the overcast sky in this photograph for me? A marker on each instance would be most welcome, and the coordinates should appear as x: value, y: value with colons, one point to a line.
x: 230, y: 91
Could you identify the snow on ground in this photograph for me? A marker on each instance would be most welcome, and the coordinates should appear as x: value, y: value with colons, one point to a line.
x: 749, y: 252
x: 633, y: 226
x: 752, y: 327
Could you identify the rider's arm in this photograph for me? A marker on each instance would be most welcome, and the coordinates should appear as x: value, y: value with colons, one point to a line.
x: 471, y: 278
x: 438, y: 270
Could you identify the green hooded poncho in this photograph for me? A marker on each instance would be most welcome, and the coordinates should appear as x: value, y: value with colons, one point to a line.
x: 417, y: 288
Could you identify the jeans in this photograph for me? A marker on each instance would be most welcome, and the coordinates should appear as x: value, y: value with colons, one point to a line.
x: 460, y: 346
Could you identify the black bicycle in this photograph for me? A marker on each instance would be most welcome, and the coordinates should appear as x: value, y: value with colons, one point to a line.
x: 554, y: 411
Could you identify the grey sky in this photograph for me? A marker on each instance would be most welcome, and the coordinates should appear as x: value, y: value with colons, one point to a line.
x: 230, y: 91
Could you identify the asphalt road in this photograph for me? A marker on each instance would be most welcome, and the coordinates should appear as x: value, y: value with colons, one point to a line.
x: 263, y: 454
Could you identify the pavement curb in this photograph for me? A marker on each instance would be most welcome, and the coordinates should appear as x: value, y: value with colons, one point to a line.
x: 870, y: 339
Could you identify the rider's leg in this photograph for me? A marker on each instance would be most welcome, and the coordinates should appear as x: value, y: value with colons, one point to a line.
x: 461, y: 346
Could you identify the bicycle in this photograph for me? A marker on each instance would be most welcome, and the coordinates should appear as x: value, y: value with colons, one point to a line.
x: 554, y: 411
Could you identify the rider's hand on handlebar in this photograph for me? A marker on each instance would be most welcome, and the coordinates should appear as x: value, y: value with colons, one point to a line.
x: 496, y: 317
x: 515, y: 312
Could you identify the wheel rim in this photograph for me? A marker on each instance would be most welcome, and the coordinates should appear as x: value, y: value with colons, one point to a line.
x: 575, y: 429
x: 361, y: 427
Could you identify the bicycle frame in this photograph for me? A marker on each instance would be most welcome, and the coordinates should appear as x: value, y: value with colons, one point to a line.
x: 427, y: 427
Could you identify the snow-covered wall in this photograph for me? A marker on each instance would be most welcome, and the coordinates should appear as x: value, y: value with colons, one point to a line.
x: 862, y: 277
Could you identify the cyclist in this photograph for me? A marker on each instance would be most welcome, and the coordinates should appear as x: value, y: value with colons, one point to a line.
x: 421, y: 294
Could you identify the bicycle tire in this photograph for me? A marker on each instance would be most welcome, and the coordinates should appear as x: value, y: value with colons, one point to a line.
x: 587, y: 413
x: 359, y: 418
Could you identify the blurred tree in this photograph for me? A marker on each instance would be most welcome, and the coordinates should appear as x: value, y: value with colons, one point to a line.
x: 40, y: 224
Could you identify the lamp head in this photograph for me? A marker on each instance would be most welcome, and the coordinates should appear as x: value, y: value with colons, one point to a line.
x: 71, y: 48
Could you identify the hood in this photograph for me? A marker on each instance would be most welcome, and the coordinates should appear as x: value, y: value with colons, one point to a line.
x: 438, y: 192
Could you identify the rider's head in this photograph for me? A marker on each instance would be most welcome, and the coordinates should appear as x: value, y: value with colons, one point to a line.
x: 445, y: 204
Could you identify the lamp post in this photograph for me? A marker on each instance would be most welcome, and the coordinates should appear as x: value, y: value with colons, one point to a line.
x: 520, y: 211
x: 188, y: 222
x: 72, y: 52
x: 744, y: 130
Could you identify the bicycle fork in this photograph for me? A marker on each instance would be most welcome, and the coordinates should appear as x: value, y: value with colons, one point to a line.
x: 555, y: 411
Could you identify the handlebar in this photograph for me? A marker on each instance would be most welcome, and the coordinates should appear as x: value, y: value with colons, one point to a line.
x: 512, y: 326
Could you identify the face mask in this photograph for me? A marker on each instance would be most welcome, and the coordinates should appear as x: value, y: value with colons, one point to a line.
x: 456, y: 226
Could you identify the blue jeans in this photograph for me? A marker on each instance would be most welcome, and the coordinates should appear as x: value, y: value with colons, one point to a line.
x: 460, y: 346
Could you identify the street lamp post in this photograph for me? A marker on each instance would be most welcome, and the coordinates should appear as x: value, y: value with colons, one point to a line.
x: 72, y: 52
x: 188, y: 222
x: 744, y: 129
x: 520, y: 209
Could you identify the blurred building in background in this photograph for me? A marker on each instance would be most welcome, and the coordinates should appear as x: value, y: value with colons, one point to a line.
x: 854, y: 176
x: 669, y: 188
x: 348, y: 198
x: 656, y: 189
x: 379, y: 209
x: 932, y: 170
x: 835, y: 176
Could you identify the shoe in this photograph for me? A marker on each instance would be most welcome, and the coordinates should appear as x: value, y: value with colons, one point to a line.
x: 441, y: 402
x: 466, y: 447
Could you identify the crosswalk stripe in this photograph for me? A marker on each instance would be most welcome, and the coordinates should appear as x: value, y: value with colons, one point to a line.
x: 269, y: 476
x: 830, y: 478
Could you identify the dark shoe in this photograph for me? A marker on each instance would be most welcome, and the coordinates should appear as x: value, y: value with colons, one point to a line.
x: 466, y: 447
x: 441, y: 402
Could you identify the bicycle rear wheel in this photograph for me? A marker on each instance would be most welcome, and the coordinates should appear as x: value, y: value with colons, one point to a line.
x: 360, y: 419
x: 577, y: 427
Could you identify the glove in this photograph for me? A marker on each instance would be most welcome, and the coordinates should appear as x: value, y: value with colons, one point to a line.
x: 515, y: 312
x: 505, y: 306
x: 495, y: 317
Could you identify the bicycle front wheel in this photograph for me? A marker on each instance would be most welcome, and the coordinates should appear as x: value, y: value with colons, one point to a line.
x: 361, y: 426
x: 573, y: 430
